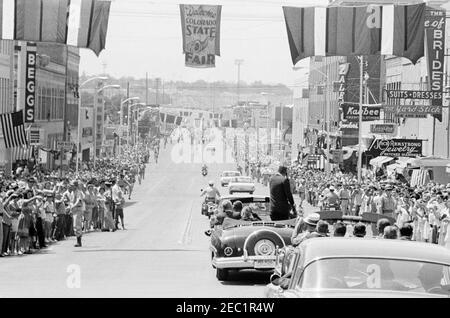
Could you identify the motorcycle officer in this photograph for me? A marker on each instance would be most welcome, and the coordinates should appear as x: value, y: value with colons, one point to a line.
x: 204, y: 170
x: 212, y: 193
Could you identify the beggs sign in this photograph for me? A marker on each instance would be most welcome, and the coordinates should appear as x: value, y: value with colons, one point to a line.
x: 30, y: 86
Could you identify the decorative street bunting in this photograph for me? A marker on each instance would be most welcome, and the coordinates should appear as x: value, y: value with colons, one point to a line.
x: 201, y: 34
x: 80, y: 23
x: 396, y: 147
x: 364, y: 30
x: 351, y: 112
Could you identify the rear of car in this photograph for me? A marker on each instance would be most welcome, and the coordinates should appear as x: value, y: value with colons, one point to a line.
x: 227, y: 176
x: 241, y: 184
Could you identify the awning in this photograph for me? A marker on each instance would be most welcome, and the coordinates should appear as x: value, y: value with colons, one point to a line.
x: 396, y: 167
x: 379, y: 161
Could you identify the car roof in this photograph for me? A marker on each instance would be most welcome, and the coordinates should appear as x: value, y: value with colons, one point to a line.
x: 331, y: 247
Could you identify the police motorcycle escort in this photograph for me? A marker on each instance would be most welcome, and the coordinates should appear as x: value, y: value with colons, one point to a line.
x: 212, y: 196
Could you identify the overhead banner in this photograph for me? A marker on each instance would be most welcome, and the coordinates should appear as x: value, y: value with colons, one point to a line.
x: 360, y: 30
x: 396, y: 148
x: 435, y: 35
x: 30, y: 84
x: 351, y: 112
x: 201, y: 34
x: 80, y: 23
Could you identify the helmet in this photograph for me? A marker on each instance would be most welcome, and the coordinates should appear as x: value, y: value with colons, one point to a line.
x: 211, y: 183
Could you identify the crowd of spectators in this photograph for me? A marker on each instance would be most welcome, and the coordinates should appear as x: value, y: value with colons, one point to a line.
x: 37, y: 209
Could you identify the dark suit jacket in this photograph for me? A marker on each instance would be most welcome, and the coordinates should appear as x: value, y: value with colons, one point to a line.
x: 281, y: 198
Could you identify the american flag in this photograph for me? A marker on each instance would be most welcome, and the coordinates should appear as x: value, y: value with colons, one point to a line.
x: 22, y: 153
x: 13, y: 129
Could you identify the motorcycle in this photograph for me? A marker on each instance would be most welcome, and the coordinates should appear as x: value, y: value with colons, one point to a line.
x: 208, y: 207
x: 204, y: 172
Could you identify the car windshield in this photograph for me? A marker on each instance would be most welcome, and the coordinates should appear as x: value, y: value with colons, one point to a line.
x: 231, y: 174
x: 377, y: 274
x: 242, y: 180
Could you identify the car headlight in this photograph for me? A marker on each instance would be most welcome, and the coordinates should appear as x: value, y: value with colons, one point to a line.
x: 228, y: 251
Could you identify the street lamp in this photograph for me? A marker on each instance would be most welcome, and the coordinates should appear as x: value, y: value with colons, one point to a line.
x: 103, y: 118
x: 79, y: 117
x: 327, y: 110
x: 121, y: 120
x: 130, y: 123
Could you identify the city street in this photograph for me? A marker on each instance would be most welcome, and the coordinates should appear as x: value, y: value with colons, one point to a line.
x: 162, y: 253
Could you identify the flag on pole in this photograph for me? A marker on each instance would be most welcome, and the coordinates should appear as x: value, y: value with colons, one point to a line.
x: 13, y: 129
x: 81, y: 23
x: 364, y: 30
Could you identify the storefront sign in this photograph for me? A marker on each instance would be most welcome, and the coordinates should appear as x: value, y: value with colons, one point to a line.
x: 435, y: 39
x: 413, y: 94
x: 383, y: 128
x: 396, y: 148
x: 201, y: 34
x: 30, y: 85
x: 412, y: 110
x: 351, y: 112
x: 87, y: 132
x: 343, y: 71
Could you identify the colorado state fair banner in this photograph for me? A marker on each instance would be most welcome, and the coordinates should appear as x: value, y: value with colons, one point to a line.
x: 201, y: 34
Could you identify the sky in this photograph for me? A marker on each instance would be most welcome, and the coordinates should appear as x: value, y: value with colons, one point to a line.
x: 145, y: 36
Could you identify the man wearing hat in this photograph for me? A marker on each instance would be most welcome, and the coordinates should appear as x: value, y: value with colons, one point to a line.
x: 311, y: 223
x: 388, y: 203
x: 281, y: 199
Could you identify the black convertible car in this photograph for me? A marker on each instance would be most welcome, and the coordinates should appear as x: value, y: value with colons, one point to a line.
x: 238, y: 244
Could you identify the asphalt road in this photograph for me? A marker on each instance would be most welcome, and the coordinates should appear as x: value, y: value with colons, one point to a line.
x: 162, y: 253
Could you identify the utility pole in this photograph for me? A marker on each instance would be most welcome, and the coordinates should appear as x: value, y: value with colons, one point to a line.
x: 238, y: 62
x: 146, y: 88
x: 157, y: 90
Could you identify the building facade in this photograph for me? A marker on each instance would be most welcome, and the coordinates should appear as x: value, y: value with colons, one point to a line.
x: 6, y: 92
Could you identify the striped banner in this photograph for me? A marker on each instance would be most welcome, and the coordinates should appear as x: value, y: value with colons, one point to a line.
x: 22, y: 153
x: 364, y: 30
x: 81, y: 23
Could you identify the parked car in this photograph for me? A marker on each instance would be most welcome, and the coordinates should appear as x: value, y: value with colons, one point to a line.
x: 241, y: 184
x: 358, y: 267
x: 227, y: 176
x: 238, y: 244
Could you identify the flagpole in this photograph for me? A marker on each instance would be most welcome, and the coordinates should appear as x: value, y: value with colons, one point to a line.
x: 361, y: 73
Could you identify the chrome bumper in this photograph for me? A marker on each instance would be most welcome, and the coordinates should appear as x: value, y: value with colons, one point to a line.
x: 240, y: 262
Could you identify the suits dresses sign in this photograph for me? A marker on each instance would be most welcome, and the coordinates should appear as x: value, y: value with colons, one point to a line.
x: 201, y: 34
x: 396, y: 148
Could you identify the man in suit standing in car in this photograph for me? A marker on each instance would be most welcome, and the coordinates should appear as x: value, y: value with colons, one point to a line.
x: 281, y: 199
